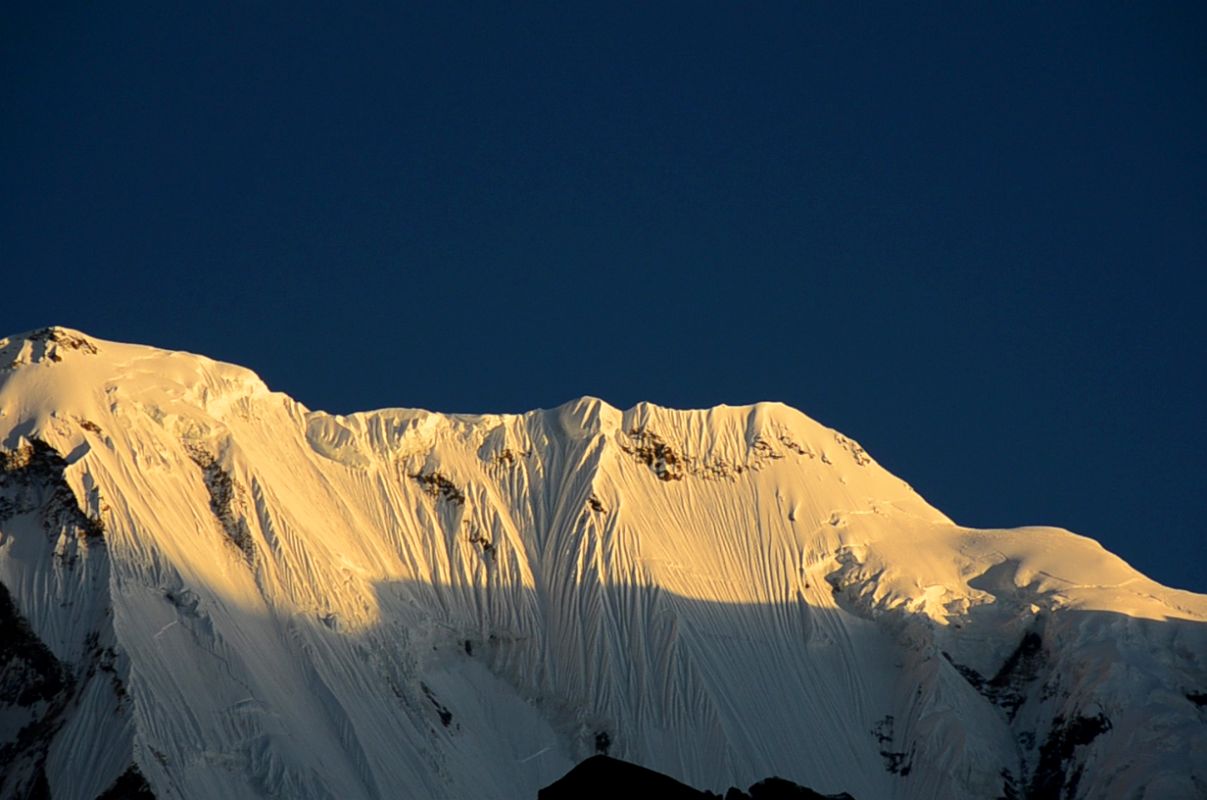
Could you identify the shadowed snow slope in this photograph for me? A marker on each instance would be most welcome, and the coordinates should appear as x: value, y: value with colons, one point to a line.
x: 231, y: 596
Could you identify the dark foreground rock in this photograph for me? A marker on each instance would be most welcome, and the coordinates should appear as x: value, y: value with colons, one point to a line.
x: 603, y: 777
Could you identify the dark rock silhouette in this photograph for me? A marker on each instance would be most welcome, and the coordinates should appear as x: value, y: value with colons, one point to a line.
x: 602, y: 777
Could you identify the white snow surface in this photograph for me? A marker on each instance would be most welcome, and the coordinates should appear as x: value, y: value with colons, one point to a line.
x: 402, y: 603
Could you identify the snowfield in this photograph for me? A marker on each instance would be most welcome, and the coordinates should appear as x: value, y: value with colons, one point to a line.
x: 211, y: 586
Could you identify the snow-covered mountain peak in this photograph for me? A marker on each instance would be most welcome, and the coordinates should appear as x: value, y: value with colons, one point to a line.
x: 65, y: 374
x: 44, y: 343
x: 256, y: 599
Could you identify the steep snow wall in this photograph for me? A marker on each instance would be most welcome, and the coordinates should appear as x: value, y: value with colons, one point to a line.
x: 239, y: 597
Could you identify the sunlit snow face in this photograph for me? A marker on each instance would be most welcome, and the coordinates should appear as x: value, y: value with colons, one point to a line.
x: 725, y: 591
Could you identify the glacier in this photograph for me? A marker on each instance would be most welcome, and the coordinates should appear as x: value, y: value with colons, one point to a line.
x: 211, y: 591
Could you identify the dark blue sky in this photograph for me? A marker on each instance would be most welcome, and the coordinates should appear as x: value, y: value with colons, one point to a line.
x: 972, y: 237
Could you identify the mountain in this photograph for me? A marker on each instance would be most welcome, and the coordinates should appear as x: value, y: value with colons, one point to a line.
x: 211, y: 591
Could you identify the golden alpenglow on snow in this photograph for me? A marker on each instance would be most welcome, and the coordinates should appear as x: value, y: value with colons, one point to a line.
x: 212, y: 592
